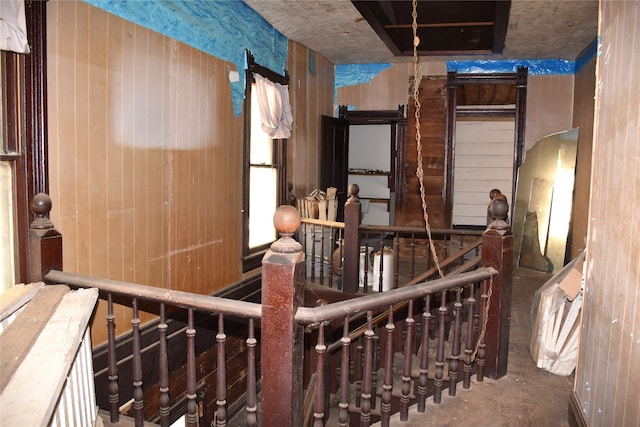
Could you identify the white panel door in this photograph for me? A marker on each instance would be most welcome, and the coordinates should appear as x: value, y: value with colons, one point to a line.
x: 483, y: 161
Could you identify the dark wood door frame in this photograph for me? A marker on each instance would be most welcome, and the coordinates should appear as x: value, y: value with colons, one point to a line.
x: 398, y: 121
x: 519, y: 79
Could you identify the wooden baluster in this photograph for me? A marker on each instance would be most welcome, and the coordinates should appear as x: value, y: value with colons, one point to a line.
x: 138, y: 404
x: 221, y: 377
x: 396, y: 261
x: 365, y: 402
x: 305, y: 246
x: 442, y: 312
x: 192, y: 406
x: 380, y: 264
x: 252, y: 407
x: 332, y: 244
x: 313, y: 253
x: 163, y: 370
x: 412, y: 259
x: 114, y: 393
x: 375, y: 367
x: 322, y: 260
x: 341, y: 246
x: 358, y: 371
x: 321, y: 351
x: 484, y: 298
x: 343, y: 414
x: 406, y: 371
x: 367, y: 264
x: 468, y: 351
x: 423, y: 380
x: 455, y: 351
x: 387, y: 387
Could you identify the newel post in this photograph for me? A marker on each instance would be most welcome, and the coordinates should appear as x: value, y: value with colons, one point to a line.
x: 351, y: 245
x: 497, y: 252
x: 282, y: 339
x: 45, y: 242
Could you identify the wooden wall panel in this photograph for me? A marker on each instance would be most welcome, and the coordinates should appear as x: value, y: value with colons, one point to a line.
x: 389, y: 89
x: 433, y: 102
x: 145, y: 154
x: 311, y: 80
x: 607, y: 381
x: 583, y: 106
x: 549, y: 106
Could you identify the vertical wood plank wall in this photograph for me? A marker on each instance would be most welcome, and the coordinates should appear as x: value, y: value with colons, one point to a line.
x: 311, y: 81
x: 549, y: 106
x: 145, y: 153
x: 585, y: 82
x: 389, y: 89
x: 608, y: 378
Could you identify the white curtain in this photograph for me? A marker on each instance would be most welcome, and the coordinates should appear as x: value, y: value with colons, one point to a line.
x: 13, y: 26
x: 275, y: 110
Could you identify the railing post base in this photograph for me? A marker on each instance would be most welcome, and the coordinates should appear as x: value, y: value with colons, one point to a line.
x: 351, y: 243
x: 497, y: 252
x: 282, y: 339
x: 45, y: 242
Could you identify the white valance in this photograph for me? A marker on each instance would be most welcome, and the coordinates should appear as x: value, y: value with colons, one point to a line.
x: 13, y: 26
x: 275, y: 110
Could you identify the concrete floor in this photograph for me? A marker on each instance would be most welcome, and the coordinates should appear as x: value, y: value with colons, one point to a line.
x: 526, y: 396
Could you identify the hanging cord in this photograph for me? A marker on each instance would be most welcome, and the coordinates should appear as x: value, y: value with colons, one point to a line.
x: 416, y: 101
x: 483, y: 331
x: 420, y: 171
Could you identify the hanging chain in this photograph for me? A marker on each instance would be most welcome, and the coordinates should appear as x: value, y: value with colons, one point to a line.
x: 416, y: 101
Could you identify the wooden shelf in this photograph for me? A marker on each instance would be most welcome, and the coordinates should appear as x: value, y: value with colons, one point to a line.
x: 369, y: 172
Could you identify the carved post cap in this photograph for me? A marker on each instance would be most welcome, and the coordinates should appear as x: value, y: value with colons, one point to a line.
x: 41, y: 207
x: 354, y: 190
x: 499, y: 210
x: 287, y: 221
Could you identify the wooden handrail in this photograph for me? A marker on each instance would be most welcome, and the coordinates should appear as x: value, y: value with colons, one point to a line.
x: 314, y: 316
x: 243, y: 309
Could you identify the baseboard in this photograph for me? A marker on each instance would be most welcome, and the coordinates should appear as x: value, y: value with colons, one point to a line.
x: 576, y: 416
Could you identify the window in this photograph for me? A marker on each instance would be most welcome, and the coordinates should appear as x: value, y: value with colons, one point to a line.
x: 9, y: 153
x: 264, y: 181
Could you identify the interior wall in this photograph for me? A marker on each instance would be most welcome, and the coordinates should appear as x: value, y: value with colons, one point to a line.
x: 549, y: 106
x: 389, y: 89
x: 311, y: 81
x: 585, y: 86
x: 145, y: 153
x: 607, y: 383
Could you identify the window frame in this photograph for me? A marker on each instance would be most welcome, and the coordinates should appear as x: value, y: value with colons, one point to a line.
x: 24, y: 94
x: 252, y: 257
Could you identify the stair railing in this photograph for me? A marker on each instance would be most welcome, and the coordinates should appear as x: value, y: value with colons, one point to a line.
x: 282, y: 321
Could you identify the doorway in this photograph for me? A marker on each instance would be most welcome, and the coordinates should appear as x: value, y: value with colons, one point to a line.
x: 485, y: 136
x: 365, y: 148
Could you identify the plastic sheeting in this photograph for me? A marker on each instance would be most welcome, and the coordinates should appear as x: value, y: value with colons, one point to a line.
x: 355, y: 74
x: 224, y: 29
x: 555, y: 324
x: 536, y: 67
